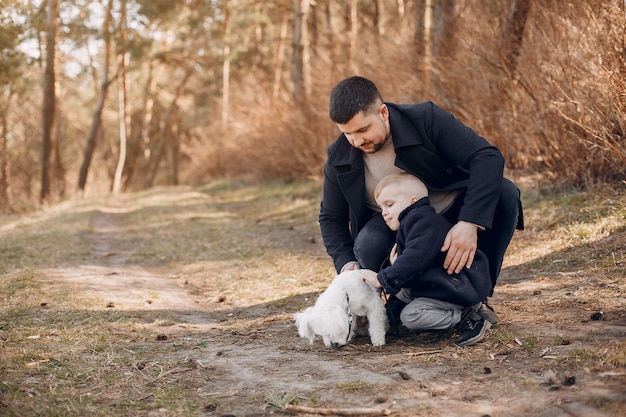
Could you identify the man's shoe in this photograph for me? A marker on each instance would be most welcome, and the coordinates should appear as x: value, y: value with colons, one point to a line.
x: 486, y: 311
x: 472, y: 328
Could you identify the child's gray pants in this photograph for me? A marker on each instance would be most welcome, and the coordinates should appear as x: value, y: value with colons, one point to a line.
x: 429, y: 314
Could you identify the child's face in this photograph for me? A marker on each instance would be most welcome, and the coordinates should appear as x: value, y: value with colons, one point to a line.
x: 393, y: 200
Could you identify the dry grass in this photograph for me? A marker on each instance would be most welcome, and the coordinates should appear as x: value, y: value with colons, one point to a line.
x: 248, y: 256
x: 67, y: 354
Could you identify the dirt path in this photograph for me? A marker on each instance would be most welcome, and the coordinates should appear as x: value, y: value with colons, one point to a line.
x: 251, y: 349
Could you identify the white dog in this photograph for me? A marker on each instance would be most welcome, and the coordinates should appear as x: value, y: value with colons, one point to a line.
x: 336, y: 308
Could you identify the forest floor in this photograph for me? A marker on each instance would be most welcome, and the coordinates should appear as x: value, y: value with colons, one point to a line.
x: 180, y: 302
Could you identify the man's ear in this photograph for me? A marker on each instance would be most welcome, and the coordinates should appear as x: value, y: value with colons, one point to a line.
x: 384, y: 112
x: 414, y: 199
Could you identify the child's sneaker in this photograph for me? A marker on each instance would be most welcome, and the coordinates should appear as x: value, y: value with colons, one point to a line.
x: 394, y: 307
x: 472, y: 328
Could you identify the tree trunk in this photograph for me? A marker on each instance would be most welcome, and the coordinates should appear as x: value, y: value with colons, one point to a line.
x: 123, y: 116
x: 335, y: 48
x: 165, y: 127
x: 280, y: 56
x: 226, y: 65
x: 123, y: 122
x: 5, y: 196
x: 301, y: 72
x: 418, y: 31
x: 49, y: 99
x: 306, y: 48
x: 97, y: 117
x: 514, y: 33
x: 146, y: 122
x: 379, y: 16
x: 59, y: 169
x: 140, y: 155
x: 353, y: 28
x: 175, y: 153
x: 401, y: 9
x: 427, y: 64
x: 296, y: 70
x: 443, y: 28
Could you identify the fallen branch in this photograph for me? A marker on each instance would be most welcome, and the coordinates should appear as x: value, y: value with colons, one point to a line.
x: 425, y: 352
x: 221, y: 394
x: 338, y: 411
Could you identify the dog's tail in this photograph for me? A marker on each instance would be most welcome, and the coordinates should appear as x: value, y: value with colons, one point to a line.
x: 303, y: 322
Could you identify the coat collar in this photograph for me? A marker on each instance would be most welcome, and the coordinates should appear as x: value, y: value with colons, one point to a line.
x: 343, y: 153
x: 424, y: 201
x: 403, y: 130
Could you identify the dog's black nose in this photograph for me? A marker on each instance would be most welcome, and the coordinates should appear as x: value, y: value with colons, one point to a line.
x: 336, y: 345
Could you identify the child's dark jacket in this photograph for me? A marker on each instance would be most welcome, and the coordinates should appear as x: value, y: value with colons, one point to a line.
x: 419, y: 265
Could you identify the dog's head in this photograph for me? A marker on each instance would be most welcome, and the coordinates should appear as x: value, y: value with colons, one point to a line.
x: 332, y: 323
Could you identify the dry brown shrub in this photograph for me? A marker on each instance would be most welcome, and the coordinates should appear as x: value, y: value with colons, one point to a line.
x: 560, y: 112
x: 563, y: 109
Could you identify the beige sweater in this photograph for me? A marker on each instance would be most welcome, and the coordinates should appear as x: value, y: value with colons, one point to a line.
x: 380, y: 164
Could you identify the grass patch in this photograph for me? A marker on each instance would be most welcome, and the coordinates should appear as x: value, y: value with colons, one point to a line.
x: 503, y: 336
x: 251, y: 255
x: 352, y: 386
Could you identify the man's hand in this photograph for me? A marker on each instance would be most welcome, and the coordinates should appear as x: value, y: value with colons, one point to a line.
x: 370, y: 277
x: 350, y: 266
x: 461, y: 243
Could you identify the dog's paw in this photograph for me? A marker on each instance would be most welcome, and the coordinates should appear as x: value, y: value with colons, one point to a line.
x: 378, y: 343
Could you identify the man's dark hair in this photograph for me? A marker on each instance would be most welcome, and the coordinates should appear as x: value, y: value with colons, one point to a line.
x: 351, y: 96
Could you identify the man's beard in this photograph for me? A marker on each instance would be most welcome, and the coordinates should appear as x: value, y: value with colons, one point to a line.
x: 379, y: 146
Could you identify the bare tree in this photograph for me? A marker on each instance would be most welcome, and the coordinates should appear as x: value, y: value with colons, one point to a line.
x: 226, y: 64
x: 353, y: 26
x: 379, y: 16
x: 444, y: 24
x: 102, y: 93
x: 514, y: 33
x: 49, y: 99
x: 279, y: 57
x: 418, y: 31
x: 426, y: 42
x: 165, y: 126
x: 5, y: 196
x: 301, y: 70
x: 123, y: 116
x: 59, y: 169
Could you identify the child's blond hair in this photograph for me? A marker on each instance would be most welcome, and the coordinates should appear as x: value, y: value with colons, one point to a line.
x: 411, y: 184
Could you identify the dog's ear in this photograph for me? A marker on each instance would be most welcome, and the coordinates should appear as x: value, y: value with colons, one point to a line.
x: 334, y: 323
x: 304, y: 326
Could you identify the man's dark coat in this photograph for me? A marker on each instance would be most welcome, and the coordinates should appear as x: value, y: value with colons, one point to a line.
x: 431, y: 144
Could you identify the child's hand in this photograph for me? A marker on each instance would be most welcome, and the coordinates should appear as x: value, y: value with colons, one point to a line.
x: 394, y: 254
x: 370, y: 277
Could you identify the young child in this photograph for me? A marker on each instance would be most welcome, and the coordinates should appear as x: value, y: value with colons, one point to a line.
x: 430, y: 298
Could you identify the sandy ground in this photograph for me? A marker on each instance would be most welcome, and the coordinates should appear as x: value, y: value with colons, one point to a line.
x: 412, y: 375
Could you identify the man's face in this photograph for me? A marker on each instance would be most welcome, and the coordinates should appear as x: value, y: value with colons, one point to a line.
x: 392, y: 200
x: 367, y: 131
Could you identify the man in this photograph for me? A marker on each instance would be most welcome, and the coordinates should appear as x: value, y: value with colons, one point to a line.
x: 463, y: 173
